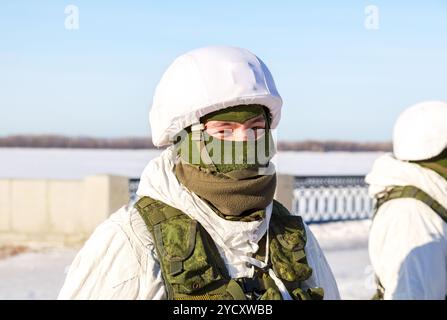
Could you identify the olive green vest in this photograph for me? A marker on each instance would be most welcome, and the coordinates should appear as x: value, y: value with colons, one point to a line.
x: 400, y: 192
x: 193, y: 269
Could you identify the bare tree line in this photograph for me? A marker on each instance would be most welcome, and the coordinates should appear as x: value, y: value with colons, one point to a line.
x: 325, y: 146
x: 59, y: 141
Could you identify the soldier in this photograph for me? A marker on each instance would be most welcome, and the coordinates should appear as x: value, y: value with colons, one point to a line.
x: 205, y: 225
x: 408, y: 240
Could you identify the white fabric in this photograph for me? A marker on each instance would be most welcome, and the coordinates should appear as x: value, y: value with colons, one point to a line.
x: 119, y: 260
x: 420, y: 132
x: 209, y: 79
x: 408, y: 240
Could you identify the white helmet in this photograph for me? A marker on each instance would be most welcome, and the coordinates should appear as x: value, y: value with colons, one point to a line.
x: 209, y: 79
x: 420, y: 132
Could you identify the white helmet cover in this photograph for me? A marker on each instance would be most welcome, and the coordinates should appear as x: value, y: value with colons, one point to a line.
x: 209, y: 79
x: 420, y: 132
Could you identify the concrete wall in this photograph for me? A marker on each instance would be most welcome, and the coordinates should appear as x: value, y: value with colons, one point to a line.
x: 284, y: 190
x: 67, y: 211
x: 57, y: 211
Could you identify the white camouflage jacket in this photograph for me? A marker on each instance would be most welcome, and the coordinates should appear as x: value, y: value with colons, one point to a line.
x: 119, y: 260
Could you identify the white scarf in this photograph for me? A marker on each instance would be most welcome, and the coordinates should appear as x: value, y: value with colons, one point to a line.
x: 389, y: 171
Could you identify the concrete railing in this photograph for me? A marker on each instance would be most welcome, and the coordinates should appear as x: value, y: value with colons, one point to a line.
x: 321, y: 199
x: 57, y: 211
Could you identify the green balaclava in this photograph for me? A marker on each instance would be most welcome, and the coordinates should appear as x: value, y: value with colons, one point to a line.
x: 229, y: 157
x: 232, y: 176
x: 437, y: 164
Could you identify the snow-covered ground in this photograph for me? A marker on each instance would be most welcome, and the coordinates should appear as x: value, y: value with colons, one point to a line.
x: 34, y: 275
x: 40, y: 274
x: 345, y: 245
x: 78, y: 163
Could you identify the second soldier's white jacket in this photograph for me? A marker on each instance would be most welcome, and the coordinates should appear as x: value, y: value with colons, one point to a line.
x: 119, y: 259
x: 408, y: 240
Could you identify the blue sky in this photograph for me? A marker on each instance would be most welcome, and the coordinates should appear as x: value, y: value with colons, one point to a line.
x: 338, y: 79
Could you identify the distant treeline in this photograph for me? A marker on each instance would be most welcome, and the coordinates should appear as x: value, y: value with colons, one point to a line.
x: 323, y: 146
x: 56, y: 141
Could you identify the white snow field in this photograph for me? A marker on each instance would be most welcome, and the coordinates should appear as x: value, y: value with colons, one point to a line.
x: 34, y: 275
x: 25, y: 163
x: 40, y: 274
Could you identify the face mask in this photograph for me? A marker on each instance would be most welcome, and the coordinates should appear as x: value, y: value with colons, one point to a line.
x: 233, y: 177
x: 224, y: 156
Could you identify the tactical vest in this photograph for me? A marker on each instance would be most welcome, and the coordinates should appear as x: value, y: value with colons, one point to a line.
x: 193, y: 269
x: 400, y: 192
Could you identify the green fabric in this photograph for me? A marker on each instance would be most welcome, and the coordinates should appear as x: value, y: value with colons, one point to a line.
x: 260, y: 287
x: 225, y: 156
x: 288, y: 239
x: 309, y: 294
x: 239, y: 114
x: 271, y: 294
x: 189, y: 260
x: 413, y: 192
x: 437, y: 164
x: 235, y: 290
x: 192, y: 268
x: 239, y: 155
x: 226, y: 174
x: 242, y: 197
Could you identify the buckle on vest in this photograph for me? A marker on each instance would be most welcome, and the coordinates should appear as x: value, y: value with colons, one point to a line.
x: 252, y: 287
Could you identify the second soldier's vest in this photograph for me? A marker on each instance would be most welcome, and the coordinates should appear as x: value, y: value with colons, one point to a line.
x: 193, y: 269
x: 412, y: 192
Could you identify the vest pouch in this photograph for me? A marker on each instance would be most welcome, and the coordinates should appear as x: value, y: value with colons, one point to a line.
x: 287, y: 250
x: 271, y: 294
x: 187, y: 258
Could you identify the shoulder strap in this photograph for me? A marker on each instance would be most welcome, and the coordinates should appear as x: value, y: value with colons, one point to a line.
x: 190, y: 263
x: 413, y: 192
x: 400, y: 192
x: 154, y: 212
